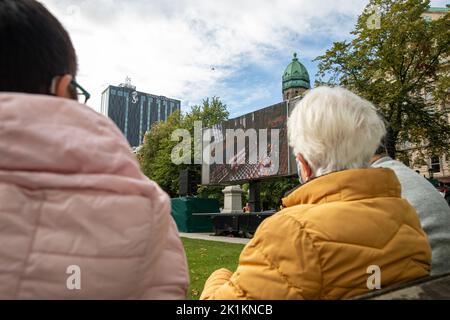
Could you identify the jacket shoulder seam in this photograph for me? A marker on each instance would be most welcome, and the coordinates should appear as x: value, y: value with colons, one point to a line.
x: 276, y: 267
x: 302, y: 227
x: 273, y: 265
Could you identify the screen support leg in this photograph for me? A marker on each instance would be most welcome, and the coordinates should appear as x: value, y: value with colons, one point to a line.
x: 254, y: 199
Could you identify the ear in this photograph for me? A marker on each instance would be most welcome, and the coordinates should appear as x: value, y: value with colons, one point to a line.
x: 62, y: 87
x: 375, y: 157
x: 306, y: 169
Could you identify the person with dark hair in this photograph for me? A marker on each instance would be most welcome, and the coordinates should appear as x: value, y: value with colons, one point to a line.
x: 36, y: 54
x: 431, y: 207
x: 78, y: 218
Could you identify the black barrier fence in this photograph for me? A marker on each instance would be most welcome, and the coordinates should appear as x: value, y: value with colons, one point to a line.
x: 237, y: 224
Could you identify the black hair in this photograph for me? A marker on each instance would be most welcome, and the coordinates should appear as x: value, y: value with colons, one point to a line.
x: 34, y: 48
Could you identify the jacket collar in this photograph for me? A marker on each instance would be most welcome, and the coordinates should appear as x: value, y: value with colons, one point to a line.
x: 347, y: 185
x: 381, y: 160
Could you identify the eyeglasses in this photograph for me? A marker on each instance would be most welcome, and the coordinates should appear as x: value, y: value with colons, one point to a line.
x: 81, y: 91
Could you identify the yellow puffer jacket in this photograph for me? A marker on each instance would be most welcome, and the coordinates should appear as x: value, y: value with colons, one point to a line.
x: 320, y: 246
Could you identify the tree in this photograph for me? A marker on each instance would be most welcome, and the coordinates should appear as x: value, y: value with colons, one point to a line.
x: 273, y: 190
x: 210, y: 112
x: 155, y: 154
x: 402, y: 67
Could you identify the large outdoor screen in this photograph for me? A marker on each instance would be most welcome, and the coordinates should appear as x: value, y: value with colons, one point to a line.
x: 250, y: 147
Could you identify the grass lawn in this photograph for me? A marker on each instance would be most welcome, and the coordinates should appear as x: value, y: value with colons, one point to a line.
x: 204, y: 257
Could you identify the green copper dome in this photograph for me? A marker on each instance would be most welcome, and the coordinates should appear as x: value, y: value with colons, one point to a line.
x: 295, y: 75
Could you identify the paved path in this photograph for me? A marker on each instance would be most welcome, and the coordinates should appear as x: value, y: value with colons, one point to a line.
x: 209, y: 237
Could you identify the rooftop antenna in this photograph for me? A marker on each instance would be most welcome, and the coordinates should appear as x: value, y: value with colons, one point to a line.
x: 127, y: 84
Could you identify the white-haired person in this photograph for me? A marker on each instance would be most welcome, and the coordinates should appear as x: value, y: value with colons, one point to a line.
x: 345, y: 229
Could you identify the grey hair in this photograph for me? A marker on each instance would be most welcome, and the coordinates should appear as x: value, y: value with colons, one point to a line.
x: 334, y: 129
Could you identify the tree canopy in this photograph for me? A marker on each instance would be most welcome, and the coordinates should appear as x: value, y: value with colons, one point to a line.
x: 155, y: 154
x: 402, y: 66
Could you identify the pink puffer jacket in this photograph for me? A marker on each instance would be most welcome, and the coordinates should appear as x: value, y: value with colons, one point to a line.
x: 72, y: 194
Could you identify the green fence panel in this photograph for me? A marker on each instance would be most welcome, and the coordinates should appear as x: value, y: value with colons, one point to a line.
x: 184, y: 207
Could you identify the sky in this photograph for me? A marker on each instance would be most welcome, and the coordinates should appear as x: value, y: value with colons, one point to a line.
x: 192, y: 49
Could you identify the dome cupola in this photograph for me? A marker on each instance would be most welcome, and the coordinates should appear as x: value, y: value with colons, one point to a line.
x: 295, y: 79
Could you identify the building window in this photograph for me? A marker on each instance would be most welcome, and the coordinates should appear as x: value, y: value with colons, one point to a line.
x: 141, y: 115
x: 159, y: 110
x: 126, y: 117
x: 435, y: 164
x: 167, y: 110
x: 150, y: 101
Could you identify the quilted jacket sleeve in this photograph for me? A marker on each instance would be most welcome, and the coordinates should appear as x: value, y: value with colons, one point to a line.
x: 280, y: 262
x: 167, y: 276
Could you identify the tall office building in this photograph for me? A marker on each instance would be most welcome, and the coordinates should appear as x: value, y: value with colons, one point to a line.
x: 134, y: 112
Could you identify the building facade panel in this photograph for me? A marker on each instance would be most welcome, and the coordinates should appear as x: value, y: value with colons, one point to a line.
x: 135, y: 112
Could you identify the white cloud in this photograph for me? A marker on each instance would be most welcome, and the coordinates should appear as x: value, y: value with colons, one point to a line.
x: 169, y: 47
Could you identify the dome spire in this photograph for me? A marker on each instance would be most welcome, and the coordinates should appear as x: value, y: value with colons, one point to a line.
x: 295, y: 79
